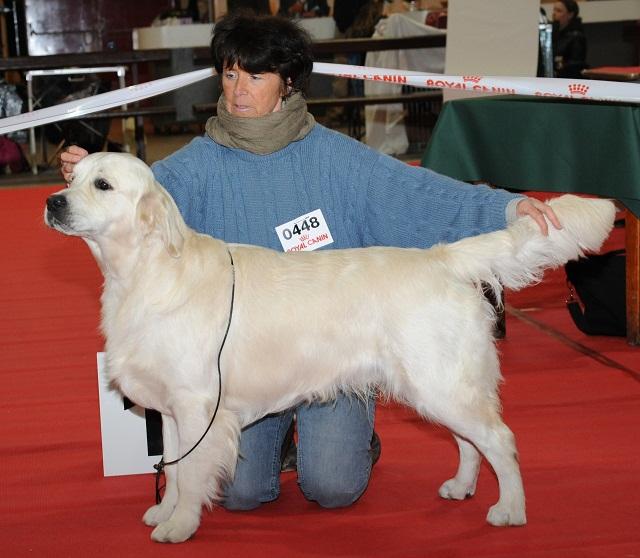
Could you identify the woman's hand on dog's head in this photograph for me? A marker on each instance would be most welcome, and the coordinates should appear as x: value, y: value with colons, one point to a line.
x: 68, y: 159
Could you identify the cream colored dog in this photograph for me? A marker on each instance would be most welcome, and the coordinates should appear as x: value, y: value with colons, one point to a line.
x: 413, y: 323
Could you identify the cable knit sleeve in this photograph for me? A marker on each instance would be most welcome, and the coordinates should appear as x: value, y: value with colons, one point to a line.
x: 172, y: 180
x: 412, y: 206
x: 178, y: 174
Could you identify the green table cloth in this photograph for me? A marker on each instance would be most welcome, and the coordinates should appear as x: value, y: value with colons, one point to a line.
x: 543, y: 144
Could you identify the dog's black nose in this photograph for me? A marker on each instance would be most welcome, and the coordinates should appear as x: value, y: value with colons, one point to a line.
x: 56, y: 202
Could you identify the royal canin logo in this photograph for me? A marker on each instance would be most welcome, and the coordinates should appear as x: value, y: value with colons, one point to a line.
x: 472, y: 79
x: 578, y: 89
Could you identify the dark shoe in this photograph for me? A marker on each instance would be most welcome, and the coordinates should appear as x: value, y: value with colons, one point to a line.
x: 289, y: 451
x: 376, y: 448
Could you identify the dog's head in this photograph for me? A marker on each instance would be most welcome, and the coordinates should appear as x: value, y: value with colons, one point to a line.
x: 114, y: 196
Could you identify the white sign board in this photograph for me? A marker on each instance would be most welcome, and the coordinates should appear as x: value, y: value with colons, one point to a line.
x: 124, y: 432
x: 491, y: 38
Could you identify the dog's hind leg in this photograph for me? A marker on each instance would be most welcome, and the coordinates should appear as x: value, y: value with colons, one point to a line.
x: 200, y: 473
x: 496, y: 442
x: 499, y: 448
x: 463, y: 485
x: 475, y: 419
x: 161, y: 512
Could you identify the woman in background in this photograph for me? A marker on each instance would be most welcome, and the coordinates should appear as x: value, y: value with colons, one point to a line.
x: 569, y: 41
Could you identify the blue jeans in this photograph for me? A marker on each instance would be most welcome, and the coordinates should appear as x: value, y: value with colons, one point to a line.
x: 334, y: 459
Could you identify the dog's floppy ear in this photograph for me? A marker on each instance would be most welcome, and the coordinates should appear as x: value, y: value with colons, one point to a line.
x: 157, y: 212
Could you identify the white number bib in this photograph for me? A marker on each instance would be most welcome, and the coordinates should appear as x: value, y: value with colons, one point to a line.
x: 308, y: 232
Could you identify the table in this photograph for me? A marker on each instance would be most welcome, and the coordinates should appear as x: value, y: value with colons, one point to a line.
x: 613, y: 73
x: 553, y: 145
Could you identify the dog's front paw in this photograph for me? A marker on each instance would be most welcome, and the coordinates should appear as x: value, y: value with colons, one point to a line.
x: 453, y: 489
x: 502, y: 516
x: 177, y: 529
x: 157, y: 514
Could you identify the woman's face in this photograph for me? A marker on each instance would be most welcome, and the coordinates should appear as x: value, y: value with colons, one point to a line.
x: 251, y: 95
x: 561, y: 15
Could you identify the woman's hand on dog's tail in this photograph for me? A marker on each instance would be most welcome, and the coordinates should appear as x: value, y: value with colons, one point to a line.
x: 539, y: 212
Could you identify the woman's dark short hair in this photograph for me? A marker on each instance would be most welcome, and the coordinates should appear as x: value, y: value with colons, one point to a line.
x: 572, y: 7
x: 260, y: 44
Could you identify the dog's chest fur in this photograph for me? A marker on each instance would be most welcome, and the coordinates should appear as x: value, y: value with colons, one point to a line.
x: 146, y: 359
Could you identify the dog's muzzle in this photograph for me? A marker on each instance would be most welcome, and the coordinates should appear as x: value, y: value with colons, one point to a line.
x: 57, y: 210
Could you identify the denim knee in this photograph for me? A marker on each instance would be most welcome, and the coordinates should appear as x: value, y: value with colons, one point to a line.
x: 336, y: 491
x: 245, y: 498
x: 334, y: 442
x: 257, y: 475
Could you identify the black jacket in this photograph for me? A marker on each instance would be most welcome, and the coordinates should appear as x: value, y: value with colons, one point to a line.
x: 569, y: 50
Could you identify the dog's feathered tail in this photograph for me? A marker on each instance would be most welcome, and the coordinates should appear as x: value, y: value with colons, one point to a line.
x: 517, y: 256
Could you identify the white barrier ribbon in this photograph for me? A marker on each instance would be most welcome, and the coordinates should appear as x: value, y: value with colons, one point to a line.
x: 595, y: 90
x: 541, y: 87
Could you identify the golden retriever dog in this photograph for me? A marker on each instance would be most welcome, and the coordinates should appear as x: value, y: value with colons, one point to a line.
x: 412, y: 323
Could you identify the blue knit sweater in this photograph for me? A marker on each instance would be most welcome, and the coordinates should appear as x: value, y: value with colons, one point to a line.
x: 367, y: 198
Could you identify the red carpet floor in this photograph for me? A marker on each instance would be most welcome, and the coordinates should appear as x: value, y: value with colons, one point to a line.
x: 572, y: 401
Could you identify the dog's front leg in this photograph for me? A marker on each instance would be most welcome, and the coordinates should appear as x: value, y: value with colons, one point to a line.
x: 200, y: 473
x: 161, y: 512
x: 190, y: 473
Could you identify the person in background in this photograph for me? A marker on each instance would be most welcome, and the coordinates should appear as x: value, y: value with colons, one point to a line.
x: 355, y: 19
x: 345, y: 12
x: 265, y: 162
x: 569, y: 41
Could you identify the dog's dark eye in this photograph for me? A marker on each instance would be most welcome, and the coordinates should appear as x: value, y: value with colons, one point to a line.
x: 102, y: 184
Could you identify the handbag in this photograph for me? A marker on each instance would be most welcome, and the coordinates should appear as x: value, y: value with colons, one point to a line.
x: 597, y: 287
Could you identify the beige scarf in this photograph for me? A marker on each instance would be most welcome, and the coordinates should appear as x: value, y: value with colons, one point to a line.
x: 262, y: 135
